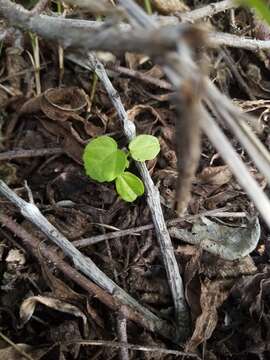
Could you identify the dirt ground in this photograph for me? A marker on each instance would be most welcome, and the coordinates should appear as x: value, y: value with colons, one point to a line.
x: 46, y: 310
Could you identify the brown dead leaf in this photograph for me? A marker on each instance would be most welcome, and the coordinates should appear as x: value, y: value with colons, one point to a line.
x: 59, y: 289
x: 217, y: 268
x: 253, y: 291
x: 63, y: 103
x: 31, y: 106
x: 208, y: 280
x: 192, y: 283
x: 153, y: 95
x: 213, y: 294
x: 145, y: 117
x: 135, y: 60
x: 63, y: 292
x: 70, y: 145
x: 215, y: 175
x: 73, y: 223
x: 155, y: 71
x: 92, y: 128
x: 221, y: 198
x: 28, y: 307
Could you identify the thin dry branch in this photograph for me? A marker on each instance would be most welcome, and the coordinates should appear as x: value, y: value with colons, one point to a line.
x: 218, y: 213
x: 188, y: 143
x: 241, y: 42
x: 23, y: 153
x: 239, y: 169
x: 230, y: 115
x: 153, y: 197
x: 180, y: 66
x: 15, y: 12
x: 116, y: 345
x: 37, y: 248
x: 16, y: 347
x: 163, y: 84
x: 91, y: 35
x: 85, y: 264
x: 136, y: 40
x: 122, y: 334
x: 40, y: 6
x: 119, y: 38
x: 209, y: 10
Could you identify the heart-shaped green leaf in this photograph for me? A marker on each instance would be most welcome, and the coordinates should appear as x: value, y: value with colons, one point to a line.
x: 144, y: 147
x: 129, y: 186
x: 114, y: 165
x: 103, y: 161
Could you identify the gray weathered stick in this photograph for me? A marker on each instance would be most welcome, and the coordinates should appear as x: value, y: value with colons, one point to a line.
x: 209, y: 10
x: 91, y: 35
x: 176, y: 70
x: 83, y: 263
x: 153, y: 197
x: 240, y: 42
x: 237, y: 122
x: 238, y: 168
x: 120, y: 37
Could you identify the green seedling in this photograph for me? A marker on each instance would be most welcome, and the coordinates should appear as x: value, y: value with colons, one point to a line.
x: 104, y: 162
x: 261, y: 7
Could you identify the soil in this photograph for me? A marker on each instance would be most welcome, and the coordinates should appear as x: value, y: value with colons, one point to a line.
x: 42, y: 137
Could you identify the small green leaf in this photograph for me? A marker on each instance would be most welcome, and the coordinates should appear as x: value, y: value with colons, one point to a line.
x: 102, y: 159
x: 261, y: 7
x: 144, y: 147
x: 129, y: 186
x: 114, y: 165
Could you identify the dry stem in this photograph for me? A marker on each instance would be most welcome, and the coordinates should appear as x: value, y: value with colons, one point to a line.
x: 83, y: 263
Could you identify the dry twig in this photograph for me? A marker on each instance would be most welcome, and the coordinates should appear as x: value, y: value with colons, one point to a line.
x: 84, y: 264
x: 218, y: 213
x: 22, y: 153
x: 163, y: 84
x: 178, y: 68
x: 120, y: 38
x: 36, y: 247
x: 209, y: 10
x: 40, y: 6
x: 153, y: 198
x: 116, y: 345
x: 122, y: 333
x: 16, y: 347
x: 241, y: 42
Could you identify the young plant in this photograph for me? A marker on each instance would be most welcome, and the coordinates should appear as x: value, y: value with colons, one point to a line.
x: 260, y: 6
x: 103, y: 161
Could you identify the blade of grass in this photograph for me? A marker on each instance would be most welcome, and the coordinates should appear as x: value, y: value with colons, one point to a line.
x: 148, y: 7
